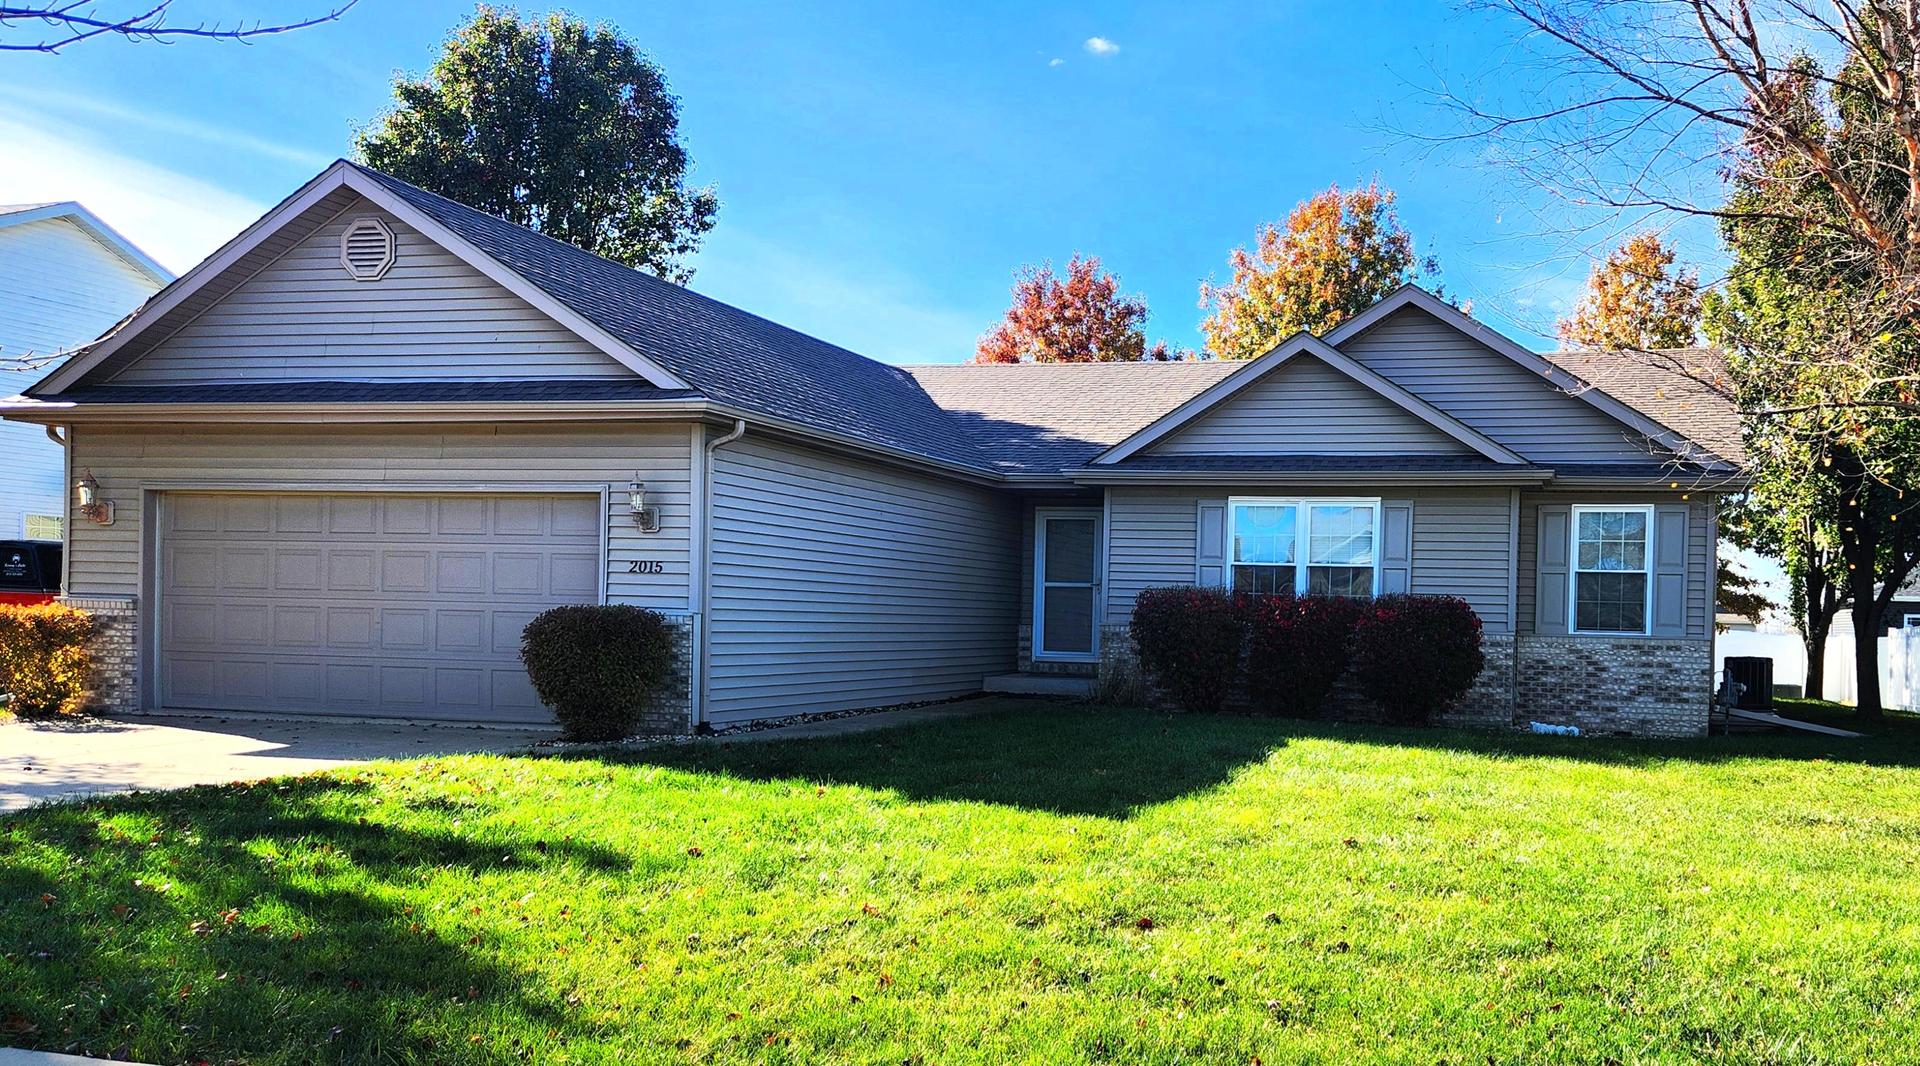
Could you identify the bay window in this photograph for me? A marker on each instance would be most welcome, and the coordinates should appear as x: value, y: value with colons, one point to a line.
x: 1320, y: 546
x: 1610, y: 569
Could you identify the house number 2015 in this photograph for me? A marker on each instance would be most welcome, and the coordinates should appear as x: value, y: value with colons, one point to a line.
x: 646, y: 566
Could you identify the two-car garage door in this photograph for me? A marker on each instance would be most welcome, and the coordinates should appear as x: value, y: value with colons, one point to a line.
x: 367, y: 603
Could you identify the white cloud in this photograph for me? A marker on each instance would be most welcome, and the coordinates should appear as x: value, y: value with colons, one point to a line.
x: 1100, y: 46
x: 1056, y: 62
x: 177, y: 219
x: 47, y: 101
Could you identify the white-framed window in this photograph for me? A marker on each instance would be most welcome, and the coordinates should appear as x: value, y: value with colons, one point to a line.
x: 1327, y: 546
x: 1611, y: 571
x: 42, y: 527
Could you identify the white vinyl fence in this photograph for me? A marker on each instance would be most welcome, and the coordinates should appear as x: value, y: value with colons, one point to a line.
x: 1899, y: 662
x: 1900, y: 669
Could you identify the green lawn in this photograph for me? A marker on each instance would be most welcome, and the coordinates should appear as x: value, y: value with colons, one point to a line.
x: 1046, y: 884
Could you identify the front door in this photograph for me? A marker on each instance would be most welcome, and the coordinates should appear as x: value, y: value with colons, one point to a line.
x: 1066, y: 584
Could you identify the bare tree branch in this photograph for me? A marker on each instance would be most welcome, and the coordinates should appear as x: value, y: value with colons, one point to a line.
x: 69, y: 24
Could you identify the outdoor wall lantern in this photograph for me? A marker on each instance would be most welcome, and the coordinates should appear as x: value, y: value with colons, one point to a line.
x: 87, y: 493
x: 646, y: 517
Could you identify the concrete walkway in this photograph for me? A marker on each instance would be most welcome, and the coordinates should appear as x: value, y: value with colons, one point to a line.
x: 17, y: 1057
x: 46, y: 761
x: 41, y: 762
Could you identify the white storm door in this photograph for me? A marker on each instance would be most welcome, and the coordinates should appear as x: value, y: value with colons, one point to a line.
x: 1066, y: 584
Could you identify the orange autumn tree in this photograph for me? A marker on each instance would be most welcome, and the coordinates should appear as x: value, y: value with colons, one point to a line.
x: 1635, y: 299
x: 1081, y: 318
x: 1336, y: 255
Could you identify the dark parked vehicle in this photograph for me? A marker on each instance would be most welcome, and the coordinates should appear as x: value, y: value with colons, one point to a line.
x: 29, y: 571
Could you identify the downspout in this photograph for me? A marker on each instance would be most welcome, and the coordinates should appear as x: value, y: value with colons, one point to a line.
x: 704, y: 606
x: 66, y: 502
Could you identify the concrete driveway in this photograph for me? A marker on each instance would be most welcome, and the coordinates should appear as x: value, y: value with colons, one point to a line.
x: 46, y: 761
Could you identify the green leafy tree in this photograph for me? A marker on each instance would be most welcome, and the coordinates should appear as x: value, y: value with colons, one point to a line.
x: 1816, y: 360
x: 555, y: 125
x: 1337, y: 254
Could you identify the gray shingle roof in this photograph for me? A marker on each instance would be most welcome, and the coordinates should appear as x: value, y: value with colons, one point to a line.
x: 1683, y: 389
x: 1046, y: 417
x: 576, y: 390
x: 728, y: 354
x: 1310, y: 463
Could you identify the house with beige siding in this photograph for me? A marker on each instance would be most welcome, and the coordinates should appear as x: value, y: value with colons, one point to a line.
x: 338, y: 466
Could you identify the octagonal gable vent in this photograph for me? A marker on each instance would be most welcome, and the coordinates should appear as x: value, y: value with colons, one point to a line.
x: 366, y: 249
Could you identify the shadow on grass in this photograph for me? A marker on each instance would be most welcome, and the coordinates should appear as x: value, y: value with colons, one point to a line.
x: 1061, y: 758
x: 228, y: 906
x: 1105, y: 762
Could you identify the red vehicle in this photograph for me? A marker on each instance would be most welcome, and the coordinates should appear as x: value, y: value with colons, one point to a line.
x: 29, y: 571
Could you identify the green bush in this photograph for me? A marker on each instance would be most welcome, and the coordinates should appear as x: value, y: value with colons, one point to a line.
x: 598, y: 667
x: 46, y: 659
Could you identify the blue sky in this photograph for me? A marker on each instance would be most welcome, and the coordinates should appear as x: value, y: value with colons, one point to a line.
x: 884, y: 168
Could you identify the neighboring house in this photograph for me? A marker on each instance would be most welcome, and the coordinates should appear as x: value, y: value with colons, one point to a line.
x: 65, y: 277
x: 353, y: 452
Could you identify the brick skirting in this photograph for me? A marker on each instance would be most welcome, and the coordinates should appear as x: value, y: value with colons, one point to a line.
x: 116, y: 652
x: 1641, y: 686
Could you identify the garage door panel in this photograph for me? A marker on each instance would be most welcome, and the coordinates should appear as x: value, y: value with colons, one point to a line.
x: 576, y: 517
x: 406, y: 571
x: 297, y: 626
x: 458, y: 630
x: 246, y: 679
x: 406, y: 605
x: 194, y: 567
x: 296, y: 569
x: 407, y: 516
x: 299, y: 514
x: 350, y: 570
x: 460, y: 572
x: 575, y: 577
x: 246, y: 625
x: 463, y: 515
x: 193, y: 625
x: 247, y: 514
x: 351, y: 514
x: 244, y: 569
x: 405, y: 629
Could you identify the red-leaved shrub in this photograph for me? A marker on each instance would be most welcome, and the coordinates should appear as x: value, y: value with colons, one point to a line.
x: 1296, y: 650
x: 1189, y: 640
x: 1413, y: 655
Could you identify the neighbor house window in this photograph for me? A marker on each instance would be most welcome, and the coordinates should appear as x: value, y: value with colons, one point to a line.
x: 1324, y: 547
x: 43, y: 527
x: 1610, y: 553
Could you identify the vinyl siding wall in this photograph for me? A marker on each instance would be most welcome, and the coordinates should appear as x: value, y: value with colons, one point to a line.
x: 61, y: 289
x: 1701, y: 549
x: 1306, y: 407
x: 106, y: 560
x: 1460, y: 543
x: 303, y: 317
x: 1490, y: 392
x: 839, y: 584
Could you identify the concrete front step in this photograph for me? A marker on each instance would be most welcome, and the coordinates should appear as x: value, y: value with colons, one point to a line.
x: 1039, y: 685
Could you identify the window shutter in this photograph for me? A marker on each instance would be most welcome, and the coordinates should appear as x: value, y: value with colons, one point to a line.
x: 1550, y: 550
x: 1210, y: 551
x: 1396, y: 546
x: 1670, y: 523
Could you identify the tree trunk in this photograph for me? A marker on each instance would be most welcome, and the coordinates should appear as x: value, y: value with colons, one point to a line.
x: 1816, y: 686
x: 1866, y: 658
